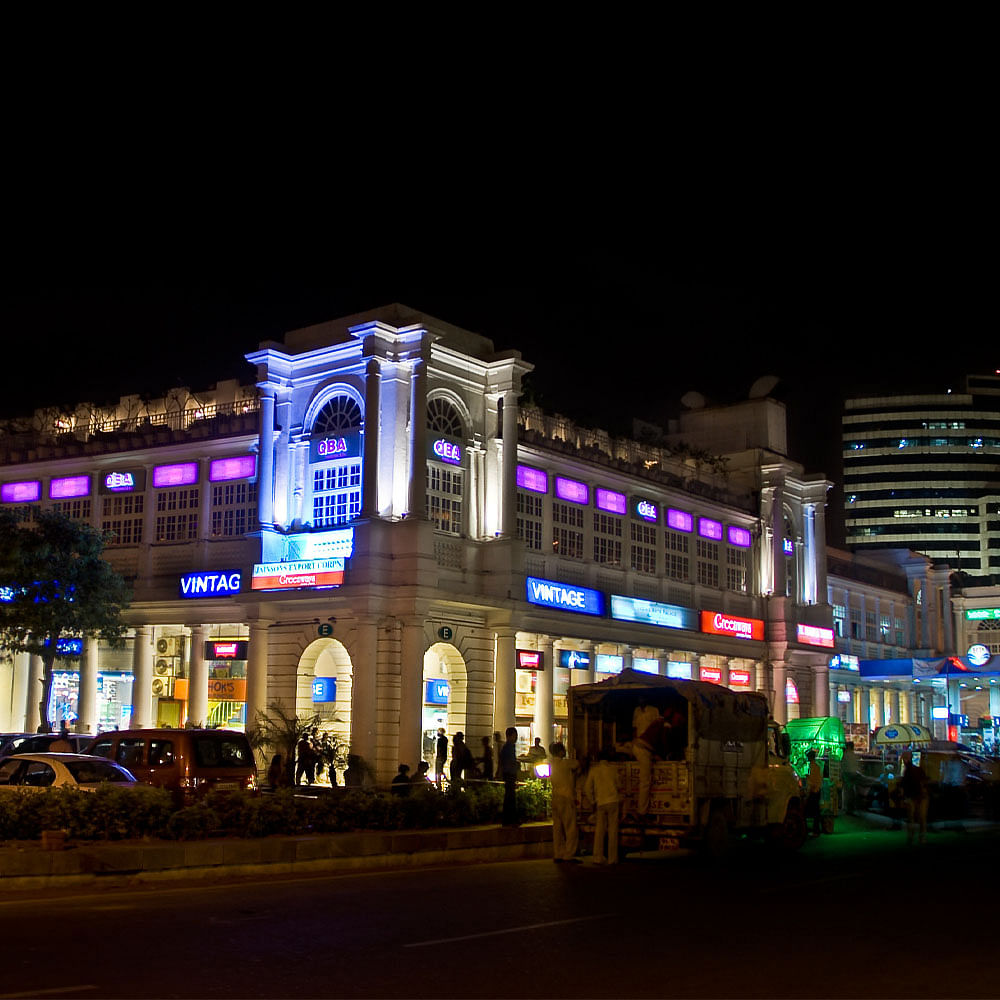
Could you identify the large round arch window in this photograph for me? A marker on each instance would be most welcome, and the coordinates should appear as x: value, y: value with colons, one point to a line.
x: 445, y: 475
x: 335, y: 460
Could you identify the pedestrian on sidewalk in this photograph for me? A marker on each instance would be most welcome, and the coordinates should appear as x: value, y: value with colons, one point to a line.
x: 486, y: 761
x: 602, y: 790
x: 562, y: 779
x: 440, y: 755
x: 915, y: 797
x: 509, y: 770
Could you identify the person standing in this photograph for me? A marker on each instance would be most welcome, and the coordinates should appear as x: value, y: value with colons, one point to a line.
x: 440, y: 756
x: 497, y: 747
x: 849, y: 775
x: 486, y: 761
x: 645, y: 719
x: 915, y: 797
x: 401, y: 783
x: 306, y: 762
x: 814, y: 785
x: 509, y: 770
x: 562, y: 778
x: 602, y: 790
x: 463, y: 764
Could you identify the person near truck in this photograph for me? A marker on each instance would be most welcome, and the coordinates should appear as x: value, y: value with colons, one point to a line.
x: 602, y: 790
x: 646, y: 721
x: 814, y: 785
x: 562, y: 780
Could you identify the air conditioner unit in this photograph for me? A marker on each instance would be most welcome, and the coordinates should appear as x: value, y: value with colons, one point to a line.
x: 164, y: 668
x: 168, y: 645
x: 163, y: 687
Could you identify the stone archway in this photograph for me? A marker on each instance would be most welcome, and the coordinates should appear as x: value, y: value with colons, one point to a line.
x: 443, y: 663
x: 326, y: 660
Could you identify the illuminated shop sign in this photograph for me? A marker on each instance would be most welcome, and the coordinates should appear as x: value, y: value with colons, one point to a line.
x: 711, y: 674
x: 717, y: 623
x: 222, y: 470
x: 679, y: 520
x: 609, y: 500
x: 564, y: 596
x: 739, y: 677
x: 647, y: 511
x: 791, y: 693
x: 610, y: 663
x: 529, y: 659
x: 939, y: 712
x: 182, y: 474
x: 67, y: 487
x: 978, y: 655
x: 341, y: 446
x: 646, y: 664
x: 844, y: 661
x: 679, y: 670
x: 844, y: 697
x: 227, y: 689
x: 633, y: 609
x: 447, y: 451
x: 437, y: 692
x: 738, y: 537
x: 124, y: 481
x: 218, y: 583
x: 532, y: 479
x: 788, y: 547
x: 25, y: 492
x: 708, y: 528
x: 814, y: 635
x: 298, y: 575
x: 574, y: 659
x: 571, y: 490
x: 982, y: 614
x: 324, y: 690
x: 227, y: 649
x: 67, y: 647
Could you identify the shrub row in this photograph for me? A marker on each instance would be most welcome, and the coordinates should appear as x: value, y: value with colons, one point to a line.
x: 112, y: 813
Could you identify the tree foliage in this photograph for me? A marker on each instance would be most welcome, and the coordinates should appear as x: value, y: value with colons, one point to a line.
x: 55, y: 584
x: 276, y: 731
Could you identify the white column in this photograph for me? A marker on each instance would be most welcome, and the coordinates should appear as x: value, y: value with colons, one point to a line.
x: 411, y: 677
x: 32, y: 715
x: 19, y: 693
x: 821, y: 690
x: 197, y: 706
x: 865, y: 701
x: 508, y: 492
x: 256, y: 673
x: 364, y: 703
x: 7, y: 695
x: 778, y: 676
x: 544, y: 711
x: 87, y: 705
x: 503, y: 698
x: 369, y: 471
x: 282, y: 460
x: 265, y: 460
x: 142, y: 679
x: 417, y: 498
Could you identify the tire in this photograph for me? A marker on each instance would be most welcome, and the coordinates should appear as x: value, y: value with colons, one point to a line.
x: 791, y: 834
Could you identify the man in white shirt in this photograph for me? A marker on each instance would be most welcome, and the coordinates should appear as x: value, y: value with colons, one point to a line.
x: 645, y: 719
x: 602, y: 790
x: 562, y: 778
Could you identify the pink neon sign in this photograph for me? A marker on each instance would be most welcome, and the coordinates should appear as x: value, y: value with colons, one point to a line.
x: 221, y: 470
x: 738, y: 537
x: 571, y: 490
x: 182, y: 474
x: 532, y: 479
x: 66, y: 487
x: 708, y: 528
x: 679, y: 520
x: 21, y: 492
x: 609, y: 500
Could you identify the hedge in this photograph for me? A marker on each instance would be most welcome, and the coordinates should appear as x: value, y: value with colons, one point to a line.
x: 115, y: 813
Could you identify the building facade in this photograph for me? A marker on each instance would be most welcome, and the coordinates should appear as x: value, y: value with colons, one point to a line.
x: 922, y: 472
x: 377, y: 532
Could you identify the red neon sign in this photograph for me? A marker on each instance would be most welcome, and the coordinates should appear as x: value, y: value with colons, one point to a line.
x: 717, y: 623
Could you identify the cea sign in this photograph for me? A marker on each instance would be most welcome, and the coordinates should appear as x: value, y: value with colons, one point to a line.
x: 217, y: 583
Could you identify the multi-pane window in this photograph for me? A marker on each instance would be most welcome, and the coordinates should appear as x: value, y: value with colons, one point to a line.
x: 529, y: 520
x: 840, y: 620
x: 607, y: 539
x: 234, y: 509
x: 177, y: 515
x: 643, y: 538
x: 737, y: 568
x: 567, y: 530
x: 856, y: 623
x: 678, y: 561
x: 77, y: 509
x: 336, y: 493
x: 900, y: 633
x: 122, y: 518
x: 871, y: 633
x: 444, y: 498
x: 886, y: 628
x: 707, y: 559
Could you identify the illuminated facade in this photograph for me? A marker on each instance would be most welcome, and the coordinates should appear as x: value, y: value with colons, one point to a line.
x: 378, y: 532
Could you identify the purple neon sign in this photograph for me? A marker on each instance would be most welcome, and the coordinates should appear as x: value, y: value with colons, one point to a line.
x: 679, y: 520
x: 182, y: 474
x: 25, y: 492
x: 66, y: 487
x: 738, y: 537
x: 788, y: 547
x: 221, y: 470
x: 448, y: 451
x: 708, y: 528
x: 532, y: 479
x: 571, y: 490
x: 609, y: 500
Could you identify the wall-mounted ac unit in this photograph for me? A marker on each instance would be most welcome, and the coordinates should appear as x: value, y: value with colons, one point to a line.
x: 168, y: 645
x: 163, y: 687
x: 164, y: 668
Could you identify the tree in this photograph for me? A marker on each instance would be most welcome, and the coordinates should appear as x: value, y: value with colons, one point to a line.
x: 55, y: 585
x: 278, y: 732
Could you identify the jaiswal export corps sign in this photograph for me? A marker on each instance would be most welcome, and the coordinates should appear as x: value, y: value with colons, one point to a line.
x: 717, y: 623
x: 298, y: 575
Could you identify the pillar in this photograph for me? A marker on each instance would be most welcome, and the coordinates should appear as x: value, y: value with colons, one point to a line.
x: 20, y: 670
x: 503, y: 697
x: 543, y: 693
x: 197, y: 706
x: 865, y: 706
x: 363, y: 691
x: 417, y: 496
x: 821, y: 689
x: 282, y: 460
x: 893, y: 696
x: 369, y: 471
x: 265, y: 472
x: 508, y: 486
x: 779, y: 675
x: 86, y: 708
x: 411, y: 677
x: 142, y: 679
x: 256, y: 673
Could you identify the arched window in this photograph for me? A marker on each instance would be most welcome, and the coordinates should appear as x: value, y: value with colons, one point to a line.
x: 445, y: 475
x: 335, y: 458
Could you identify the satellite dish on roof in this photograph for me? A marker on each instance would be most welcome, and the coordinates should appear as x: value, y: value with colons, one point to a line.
x: 693, y: 400
x: 763, y: 386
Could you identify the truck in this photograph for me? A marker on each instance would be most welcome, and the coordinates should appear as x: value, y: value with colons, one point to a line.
x: 720, y: 766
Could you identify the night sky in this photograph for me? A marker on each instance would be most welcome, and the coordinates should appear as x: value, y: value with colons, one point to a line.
x: 612, y: 334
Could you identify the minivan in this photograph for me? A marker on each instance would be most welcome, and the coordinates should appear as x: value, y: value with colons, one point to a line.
x: 187, y: 762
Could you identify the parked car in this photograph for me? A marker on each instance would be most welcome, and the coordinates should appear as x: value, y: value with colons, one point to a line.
x: 187, y: 762
x: 60, y: 770
x: 17, y: 743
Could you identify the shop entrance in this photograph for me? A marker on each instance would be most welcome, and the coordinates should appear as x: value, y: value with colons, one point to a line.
x: 445, y: 690
x: 323, y: 687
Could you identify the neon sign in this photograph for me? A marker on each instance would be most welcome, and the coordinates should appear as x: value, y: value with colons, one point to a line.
x: 298, y: 575
x: 21, y: 492
x: 647, y: 511
x: 563, y: 596
x: 227, y: 649
x: 978, y: 655
x: 708, y: 528
x: 711, y: 674
x: 679, y: 520
x: 211, y: 584
x: 437, y: 692
x: 739, y: 678
x: 571, y: 490
x: 221, y: 470
x: 331, y: 447
x: 66, y: 487
x: 738, y: 537
x: 182, y: 474
x: 634, y: 609
x: 529, y: 659
x: 609, y: 663
x: 532, y: 479
x: 716, y: 623
x: 610, y: 501
x: 813, y: 635
x: 448, y: 451
x: 119, y: 481
x: 574, y: 659
x: 324, y: 689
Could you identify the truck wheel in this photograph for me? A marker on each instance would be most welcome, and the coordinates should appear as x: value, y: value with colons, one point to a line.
x: 790, y: 835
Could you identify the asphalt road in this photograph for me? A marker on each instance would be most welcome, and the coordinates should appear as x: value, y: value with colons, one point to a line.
x: 857, y: 914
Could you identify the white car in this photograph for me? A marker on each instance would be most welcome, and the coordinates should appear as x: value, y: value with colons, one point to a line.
x: 61, y: 770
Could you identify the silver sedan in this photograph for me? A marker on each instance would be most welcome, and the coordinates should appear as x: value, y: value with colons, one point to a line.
x: 60, y: 770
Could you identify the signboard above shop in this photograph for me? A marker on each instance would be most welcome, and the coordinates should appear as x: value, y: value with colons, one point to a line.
x: 328, y: 449
x: 227, y: 649
x: 211, y: 583
x: 814, y: 635
x: 529, y: 659
x: 309, y: 573
x: 634, y: 609
x: 564, y: 596
x: 717, y: 623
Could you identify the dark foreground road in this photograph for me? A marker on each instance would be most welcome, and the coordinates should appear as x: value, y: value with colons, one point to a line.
x: 852, y: 915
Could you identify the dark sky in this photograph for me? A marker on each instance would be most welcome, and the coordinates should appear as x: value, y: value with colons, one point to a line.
x: 612, y: 334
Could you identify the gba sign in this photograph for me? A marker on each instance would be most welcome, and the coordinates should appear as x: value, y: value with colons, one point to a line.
x: 717, y: 623
x: 220, y: 583
x: 564, y: 597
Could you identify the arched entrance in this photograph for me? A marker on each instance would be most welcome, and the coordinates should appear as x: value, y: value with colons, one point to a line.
x: 445, y: 695
x: 323, y: 687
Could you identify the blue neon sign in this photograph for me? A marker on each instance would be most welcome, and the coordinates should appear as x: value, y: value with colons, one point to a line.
x: 215, y: 583
x: 574, y: 659
x: 324, y: 689
x: 564, y: 596
x: 437, y: 693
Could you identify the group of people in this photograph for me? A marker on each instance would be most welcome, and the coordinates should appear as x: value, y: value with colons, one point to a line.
x: 464, y: 765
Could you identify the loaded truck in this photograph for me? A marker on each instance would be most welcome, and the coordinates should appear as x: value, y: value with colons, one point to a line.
x: 717, y: 764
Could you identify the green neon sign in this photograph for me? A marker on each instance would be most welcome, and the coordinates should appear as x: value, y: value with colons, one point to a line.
x: 982, y: 614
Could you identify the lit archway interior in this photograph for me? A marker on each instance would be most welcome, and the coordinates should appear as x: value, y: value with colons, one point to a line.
x: 443, y: 665
x: 326, y: 659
